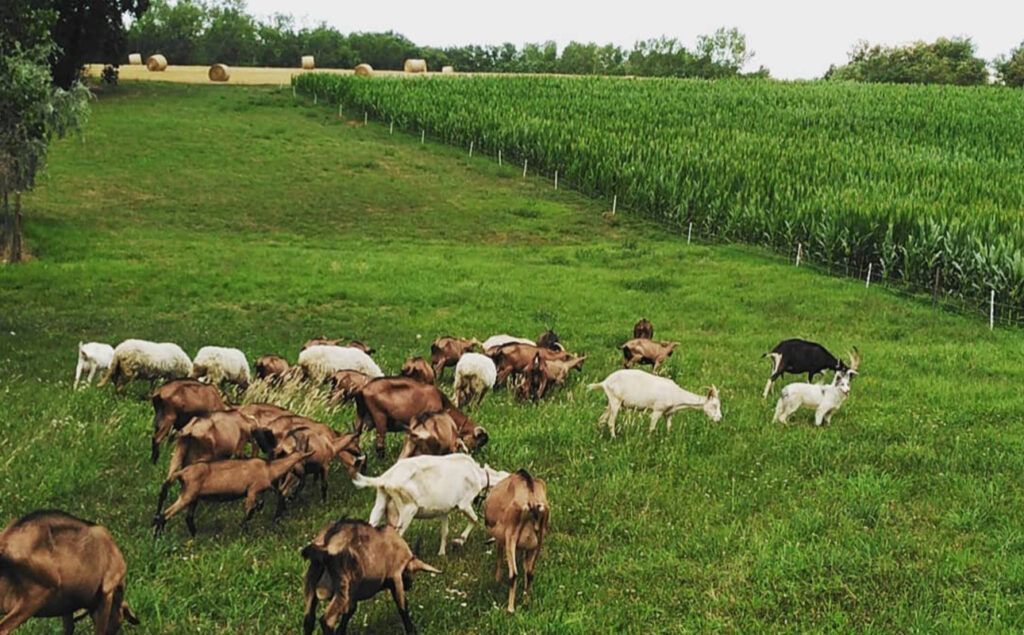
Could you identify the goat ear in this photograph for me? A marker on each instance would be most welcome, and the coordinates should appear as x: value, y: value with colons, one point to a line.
x: 420, y: 433
x: 418, y: 565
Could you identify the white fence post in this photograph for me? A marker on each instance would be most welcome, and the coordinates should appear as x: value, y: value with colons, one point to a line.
x: 339, y: 111
x: 524, y: 168
x: 314, y: 99
x: 499, y: 158
x: 470, y: 148
x: 615, y: 203
x: 689, y: 233
x: 423, y: 136
x: 992, y: 310
x: 365, y: 116
x: 556, y: 179
x: 799, y: 253
x: 391, y: 128
x: 867, y: 285
x: 293, y: 90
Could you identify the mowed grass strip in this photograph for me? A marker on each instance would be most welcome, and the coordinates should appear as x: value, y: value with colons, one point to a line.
x: 237, y: 216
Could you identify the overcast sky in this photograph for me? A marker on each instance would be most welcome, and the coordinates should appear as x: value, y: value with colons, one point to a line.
x: 793, y: 38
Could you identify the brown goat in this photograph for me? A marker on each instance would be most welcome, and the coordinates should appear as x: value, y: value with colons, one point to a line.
x: 344, y: 385
x: 392, y: 403
x: 418, y: 369
x: 549, y: 339
x: 535, y: 379
x: 350, y: 561
x: 517, y: 516
x: 264, y: 413
x: 518, y: 358
x: 53, y: 564
x: 222, y: 481
x: 558, y: 370
x: 434, y: 433
x: 643, y: 330
x: 647, y: 352
x: 270, y: 435
x: 344, y: 448
x: 219, y: 435
x: 174, y: 405
x: 271, y: 367
x: 446, y: 351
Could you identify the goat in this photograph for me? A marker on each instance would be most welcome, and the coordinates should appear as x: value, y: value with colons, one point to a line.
x: 497, y: 341
x: 323, y: 341
x: 325, y: 448
x: 558, y: 369
x: 223, y: 481
x: 824, y: 400
x: 446, y: 351
x: 264, y: 413
x: 53, y: 564
x: 800, y: 356
x: 418, y: 369
x: 433, y: 433
x: 174, y: 405
x: 349, y: 561
x: 141, y: 359
x: 268, y: 436
x: 219, y: 435
x: 549, y: 339
x: 535, y: 379
x: 92, y: 356
x: 320, y: 362
x: 518, y: 358
x: 645, y: 351
x: 271, y: 367
x: 391, y: 403
x: 517, y: 516
x: 475, y: 374
x: 219, y: 365
x: 428, y: 487
x: 345, y: 384
x: 643, y: 391
x: 643, y: 330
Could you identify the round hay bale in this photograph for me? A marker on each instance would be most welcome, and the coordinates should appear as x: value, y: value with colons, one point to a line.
x: 156, y: 63
x: 364, y: 70
x: 219, y: 73
x: 415, y: 66
x: 447, y: 69
x: 135, y: 59
x: 307, y: 62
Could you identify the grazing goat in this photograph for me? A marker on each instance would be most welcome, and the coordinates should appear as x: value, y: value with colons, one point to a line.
x: 92, y: 356
x: 643, y: 330
x: 517, y: 516
x: 431, y: 433
x: 558, y: 369
x: 418, y: 369
x: 447, y: 351
x: 641, y: 390
x: 219, y: 435
x: 799, y: 356
x: 350, y: 561
x: 174, y: 405
x: 320, y: 362
x: 823, y: 399
x: 270, y: 435
x: 645, y: 351
x: 345, y: 384
x: 140, y: 359
x: 549, y: 339
x: 53, y: 564
x: 429, y: 487
x: 543, y: 374
x: 323, y: 341
x: 218, y: 365
x: 223, y: 481
x: 496, y: 341
x: 518, y: 358
x: 271, y: 367
x: 391, y: 403
x: 325, y: 448
x: 475, y: 374
x: 264, y: 413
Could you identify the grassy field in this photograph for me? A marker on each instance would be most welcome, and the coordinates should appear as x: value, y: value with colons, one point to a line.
x: 241, y: 217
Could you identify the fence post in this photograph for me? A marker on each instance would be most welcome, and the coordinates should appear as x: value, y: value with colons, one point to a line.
x: 524, y: 168
x: 799, y: 253
x: 992, y: 310
x: 556, y: 179
x: 365, y: 116
x: 499, y: 158
x: 471, y: 148
x: 935, y: 288
x: 391, y: 128
x: 867, y: 285
x: 339, y: 111
x: 615, y: 203
x: 314, y: 99
x: 423, y: 136
x: 293, y: 90
x: 689, y: 233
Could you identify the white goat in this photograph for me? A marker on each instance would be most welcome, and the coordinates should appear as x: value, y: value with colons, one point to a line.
x: 824, y: 399
x: 217, y: 364
x: 428, y: 487
x: 321, y: 362
x: 500, y: 340
x: 474, y: 376
x: 142, y: 359
x: 92, y: 356
x: 643, y: 391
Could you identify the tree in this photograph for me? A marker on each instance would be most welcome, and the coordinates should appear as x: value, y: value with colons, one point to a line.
x: 725, y: 49
x: 87, y: 31
x: 173, y: 30
x: 945, y: 61
x: 230, y: 36
x: 1010, y: 68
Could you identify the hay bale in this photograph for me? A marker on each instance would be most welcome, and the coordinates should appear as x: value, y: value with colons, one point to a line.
x: 156, y: 63
x: 219, y: 73
x: 447, y: 69
x: 135, y: 59
x: 415, y: 66
x: 364, y: 70
x: 307, y: 63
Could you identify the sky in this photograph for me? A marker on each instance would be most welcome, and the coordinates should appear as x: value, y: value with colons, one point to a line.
x: 794, y: 38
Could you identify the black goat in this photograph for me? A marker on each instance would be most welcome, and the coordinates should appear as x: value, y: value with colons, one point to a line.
x: 800, y: 356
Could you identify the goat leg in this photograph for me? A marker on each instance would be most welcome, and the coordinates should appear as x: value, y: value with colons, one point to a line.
x: 32, y: 599
x: 190, y: 518
x: 398, y: 592
x: 279, y: 511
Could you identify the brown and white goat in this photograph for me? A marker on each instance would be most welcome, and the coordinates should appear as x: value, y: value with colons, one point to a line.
x: 645, y: 351
x: 392, y: 403
x: 434, y: 433
x: 53, y: 565
x: 518, y: 358
x: 643, y: 329
x: 418, y: 369
x: 174, y: 405
x: 345, y: 384
x: 226, y: 480
x: 517, y: 516
x: 446, y: 351
x: 350, y: 561
x: 220, y: 435
x: 325, y: 449
x: 271, y: 368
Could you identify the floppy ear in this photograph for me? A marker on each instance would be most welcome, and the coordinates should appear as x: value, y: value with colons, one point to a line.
x: 420, y: 434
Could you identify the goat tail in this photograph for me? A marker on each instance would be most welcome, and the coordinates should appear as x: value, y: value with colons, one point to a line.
x: 599, y: 384
x: 362, y: 482
x: 111, y: 372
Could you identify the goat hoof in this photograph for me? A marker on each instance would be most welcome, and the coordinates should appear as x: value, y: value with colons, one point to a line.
x: 458, y: 543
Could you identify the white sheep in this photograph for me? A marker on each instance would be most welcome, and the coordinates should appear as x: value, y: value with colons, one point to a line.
x: 142, y: 359
x: 824, y: 399
x: 321, y: 362
x: 500, y: 340
x: 92, y: 356
x: 641, y: 390
x: 217, y: 364
x: 474, y: 376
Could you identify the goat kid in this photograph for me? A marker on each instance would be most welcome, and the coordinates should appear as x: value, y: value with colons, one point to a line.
x: 825, y: 400
x: 800, y: 356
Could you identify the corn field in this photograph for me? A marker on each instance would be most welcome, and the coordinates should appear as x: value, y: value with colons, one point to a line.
x: 922, y: 182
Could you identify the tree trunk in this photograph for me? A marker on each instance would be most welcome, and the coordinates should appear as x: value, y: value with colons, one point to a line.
x: 16, y: 230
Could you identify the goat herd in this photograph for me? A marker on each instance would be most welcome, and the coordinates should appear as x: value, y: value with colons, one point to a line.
x: 55, y: 565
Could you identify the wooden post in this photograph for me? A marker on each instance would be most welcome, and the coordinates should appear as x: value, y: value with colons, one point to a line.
x: 867, y: 285
x: 799, y: 253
